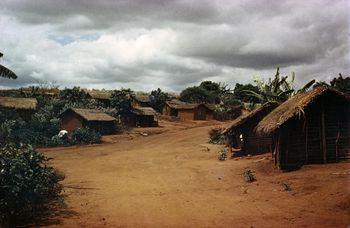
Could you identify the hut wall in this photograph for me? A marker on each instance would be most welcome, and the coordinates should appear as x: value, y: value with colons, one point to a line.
x: 168, y: 111
x: 71, y: 121
x: 103, y: 127
x: 200, y: 113
x: 186, y: 114
x: 146, y: 121
x: 210, y: 115
x: 255, y: 144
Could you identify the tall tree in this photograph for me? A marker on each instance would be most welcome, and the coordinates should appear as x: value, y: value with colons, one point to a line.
x: 121, y: 100
x: 196, y: 94
x: 158, y: 99
x: 5, y: 72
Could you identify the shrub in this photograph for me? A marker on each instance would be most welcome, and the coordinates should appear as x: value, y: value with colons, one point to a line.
x: 222, y: 155
x: 27, y: 185
x: 249, y: 176
x: 85, y: 136
x: 215, y: 136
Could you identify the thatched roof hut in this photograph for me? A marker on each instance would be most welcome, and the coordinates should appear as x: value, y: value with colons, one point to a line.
x: 141, y: 101
x: 74, y: 118
x: 240, y: 133
x: 99, y: 94
x: 18, y: 103
x: 188, y: 111
x: 313, y: 127
x: 252, y: 118
x: 294, y: 107
x: 144, y: 117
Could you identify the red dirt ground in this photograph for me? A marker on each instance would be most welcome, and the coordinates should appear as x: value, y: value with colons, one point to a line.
x: 172, y: 178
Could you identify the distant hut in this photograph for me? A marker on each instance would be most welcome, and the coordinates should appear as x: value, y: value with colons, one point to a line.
x: 102, y: 96
x: 240, y: 134
x: 141, y: 101
x: 97, y: 120
x: 143, y: 117
x: 313, y: 127
x: 24, y: 107
x: 188, y: 111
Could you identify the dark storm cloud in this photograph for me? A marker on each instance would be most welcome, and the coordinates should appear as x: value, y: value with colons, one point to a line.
x: 172, y: 43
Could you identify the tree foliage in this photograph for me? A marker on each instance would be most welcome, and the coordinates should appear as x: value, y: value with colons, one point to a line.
x: 158, y: 99
x: 207, y: 92
x: 240, y: 93
x: 341, y: 84
x: 121, y: 101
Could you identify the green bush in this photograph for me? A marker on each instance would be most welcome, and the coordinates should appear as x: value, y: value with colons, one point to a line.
x: 27, y: 186
x: 85, y: 136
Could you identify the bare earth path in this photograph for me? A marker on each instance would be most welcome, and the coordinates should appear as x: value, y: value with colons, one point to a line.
x: 174, y: 179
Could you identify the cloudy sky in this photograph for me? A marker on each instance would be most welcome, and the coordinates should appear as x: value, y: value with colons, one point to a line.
x: 172, y: 44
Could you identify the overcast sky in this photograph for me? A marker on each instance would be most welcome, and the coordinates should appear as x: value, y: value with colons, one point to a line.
x: 172, y: 44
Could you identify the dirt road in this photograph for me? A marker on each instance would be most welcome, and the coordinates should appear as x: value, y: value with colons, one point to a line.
x: 172, y: 178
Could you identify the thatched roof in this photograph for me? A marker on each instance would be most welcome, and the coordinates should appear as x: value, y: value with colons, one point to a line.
x: 18, y: 103
x: 142, y: 98
x: 99, y: 94
x: 90, y: 114
x: 293, y: 107
x: 177, y: 104
x: 144, y: 111
x: 254, y: 116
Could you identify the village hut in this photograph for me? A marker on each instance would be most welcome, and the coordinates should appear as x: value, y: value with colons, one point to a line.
x: 313, y: 127
x: 102, y: 96
x: 97, y: 120
x: 141, y: 101
x: 240, y: 134
x: 24, y: 107
x: 143, y: 117
x: 188, y: 111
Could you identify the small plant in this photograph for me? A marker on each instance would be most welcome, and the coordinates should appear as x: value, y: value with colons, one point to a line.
x: 85, y: 136
x: 286, y: 187
x: 215, y: 136
x: 222, y: 156
x: 249, y: 176
x: 27, y: 185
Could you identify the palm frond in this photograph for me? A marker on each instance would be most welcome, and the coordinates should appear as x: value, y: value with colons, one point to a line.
x: 306, y: 87
x: 7, y: 73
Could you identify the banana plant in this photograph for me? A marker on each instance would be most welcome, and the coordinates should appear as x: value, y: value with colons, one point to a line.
x: 277, y: 89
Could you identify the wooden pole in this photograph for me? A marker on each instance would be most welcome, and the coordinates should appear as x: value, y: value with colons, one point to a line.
x: 306, y: 143
x: 323, y: 135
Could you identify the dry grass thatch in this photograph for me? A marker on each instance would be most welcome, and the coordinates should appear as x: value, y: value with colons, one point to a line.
x: 142, y: 98
x: 18, y: 103
x: 90, y: 114
x: 144, y: 111
x: 254, y: 116
x: 177, y: 104
x: 293, y: 107
x: 98, y: 94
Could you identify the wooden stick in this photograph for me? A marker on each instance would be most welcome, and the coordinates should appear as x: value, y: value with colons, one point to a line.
x: 306, y: 143
x: 323, y: 135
